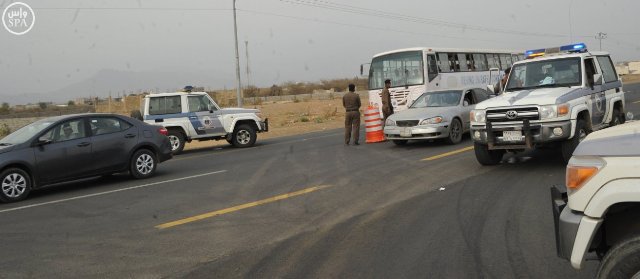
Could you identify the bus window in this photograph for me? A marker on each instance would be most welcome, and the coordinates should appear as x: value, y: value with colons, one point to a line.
x: 492, y: 61
x: 470, y: 64
x: 432, y: 67
x: 443, y: 63
x: 453, y: 62
x: 504, y: 61
x: 480, y: 62
x: 463, y: 63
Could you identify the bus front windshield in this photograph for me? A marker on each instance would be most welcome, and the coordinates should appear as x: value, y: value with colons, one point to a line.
x: 545, y: 73
x: 402, y: 68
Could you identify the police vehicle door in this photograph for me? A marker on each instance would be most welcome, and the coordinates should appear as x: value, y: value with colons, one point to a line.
x: 203, y: 116
x: 611, y: 85
x: 597, y: 101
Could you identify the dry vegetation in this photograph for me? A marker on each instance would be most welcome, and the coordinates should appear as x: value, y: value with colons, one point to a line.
x: 630, y: 78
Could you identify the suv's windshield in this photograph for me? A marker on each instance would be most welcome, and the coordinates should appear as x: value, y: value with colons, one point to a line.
x: 25, y: 133
x: 404, y: 68
x: 438, y: 99
x: 545, y: 73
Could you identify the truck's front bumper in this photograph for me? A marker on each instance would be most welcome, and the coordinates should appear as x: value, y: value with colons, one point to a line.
x: 566, y: 224
x: 264, y: 125
x: 491, y: 134
x: 574, y: 231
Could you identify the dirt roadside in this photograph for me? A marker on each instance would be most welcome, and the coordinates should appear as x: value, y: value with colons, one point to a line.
x: 289, y: 118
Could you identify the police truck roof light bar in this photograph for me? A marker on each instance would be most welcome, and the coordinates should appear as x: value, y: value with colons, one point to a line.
x: 581, y: 47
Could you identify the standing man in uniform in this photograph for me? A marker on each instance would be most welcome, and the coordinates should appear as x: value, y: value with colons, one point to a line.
x: 499, y: 87
x: 351, y: 103
x: 387, y: 107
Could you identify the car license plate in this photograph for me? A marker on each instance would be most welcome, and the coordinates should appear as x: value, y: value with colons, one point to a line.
x: 512, y: 135
x: 405, y: 133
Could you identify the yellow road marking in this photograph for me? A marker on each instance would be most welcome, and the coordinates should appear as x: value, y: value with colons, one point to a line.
x: 240, y: 207
x: 448, y: 154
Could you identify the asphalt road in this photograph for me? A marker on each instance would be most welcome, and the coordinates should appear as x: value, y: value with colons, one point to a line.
x: 299, y: 207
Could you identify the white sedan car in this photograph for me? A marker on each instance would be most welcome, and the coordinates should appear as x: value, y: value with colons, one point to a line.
x: 435, y: 115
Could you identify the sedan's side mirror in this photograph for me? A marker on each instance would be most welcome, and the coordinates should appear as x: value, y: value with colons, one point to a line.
x: 44, y: 141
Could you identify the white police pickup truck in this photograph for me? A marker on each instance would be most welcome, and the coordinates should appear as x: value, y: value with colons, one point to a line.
x: 554, y: 97
x: 196, y: 116
x: 597, y: 212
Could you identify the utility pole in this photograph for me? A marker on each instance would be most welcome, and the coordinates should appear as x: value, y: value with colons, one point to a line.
x: 235, y: 29
x: 246, y: 47
x: 601, y: 36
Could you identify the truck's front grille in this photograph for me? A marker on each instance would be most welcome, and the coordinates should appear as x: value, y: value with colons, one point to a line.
x: 513, y: 114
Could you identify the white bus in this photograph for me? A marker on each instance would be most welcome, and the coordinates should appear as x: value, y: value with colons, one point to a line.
x: 445, y: 69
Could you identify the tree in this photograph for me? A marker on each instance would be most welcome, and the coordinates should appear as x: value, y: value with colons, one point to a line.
x: 276, y: 90
x: 42, y: 105
x: 5, y: 107
x: 251, y: 91
x: 71, y: 103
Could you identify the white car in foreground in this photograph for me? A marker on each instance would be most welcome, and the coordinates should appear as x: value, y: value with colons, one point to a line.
x: 597, y: 214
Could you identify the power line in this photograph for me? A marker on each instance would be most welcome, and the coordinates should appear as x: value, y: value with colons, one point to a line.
x: 394, y: 16
x: 368, y: 27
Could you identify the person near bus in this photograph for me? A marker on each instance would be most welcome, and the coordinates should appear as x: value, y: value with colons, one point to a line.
x: 387, y: 107
x: 351, y: 103
x: 499, y: 87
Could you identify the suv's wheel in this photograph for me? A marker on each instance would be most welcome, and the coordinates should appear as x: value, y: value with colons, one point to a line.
x: 617, y: 119
x: 570, y: 145
x: 622, y: 260
x: 244, y: 136
x: 487, y: 157
x: 455, y: 132
x: 177, y: 140
x: 400, y: 142
x: 15, y: 183
x: 143, y: 164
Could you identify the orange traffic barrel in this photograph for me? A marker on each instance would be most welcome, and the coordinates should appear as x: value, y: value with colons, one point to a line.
x: 373, y: 124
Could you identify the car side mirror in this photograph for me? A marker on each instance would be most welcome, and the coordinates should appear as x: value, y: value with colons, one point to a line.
x: 465, y: 103
x: 491, y: 88
x: 43, y: 141
x: 597, y: 79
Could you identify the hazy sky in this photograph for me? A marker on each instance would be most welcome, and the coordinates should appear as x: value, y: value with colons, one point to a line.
x: 289, y: 40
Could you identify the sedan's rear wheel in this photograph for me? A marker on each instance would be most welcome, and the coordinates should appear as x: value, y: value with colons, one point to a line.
x: 16, y: 185
x: 143, y: 164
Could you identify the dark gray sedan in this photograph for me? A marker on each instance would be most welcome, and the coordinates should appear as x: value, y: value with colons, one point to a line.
x: 72, y: 147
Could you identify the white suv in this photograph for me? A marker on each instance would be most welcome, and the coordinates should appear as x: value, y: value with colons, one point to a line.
x: 554, y: 97
x: 601, y: 213
x: 196, y: 116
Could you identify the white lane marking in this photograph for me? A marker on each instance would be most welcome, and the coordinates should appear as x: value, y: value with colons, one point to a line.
x: 110, y: 192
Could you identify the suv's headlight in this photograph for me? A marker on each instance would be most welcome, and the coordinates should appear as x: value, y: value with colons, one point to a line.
x: 478, y: 115
x: 580, y: 170
x: 432, y: 120
x: 389, y: 122
x: 553, y: 111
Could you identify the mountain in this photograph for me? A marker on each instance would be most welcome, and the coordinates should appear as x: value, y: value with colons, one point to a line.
x: 117, y: 82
